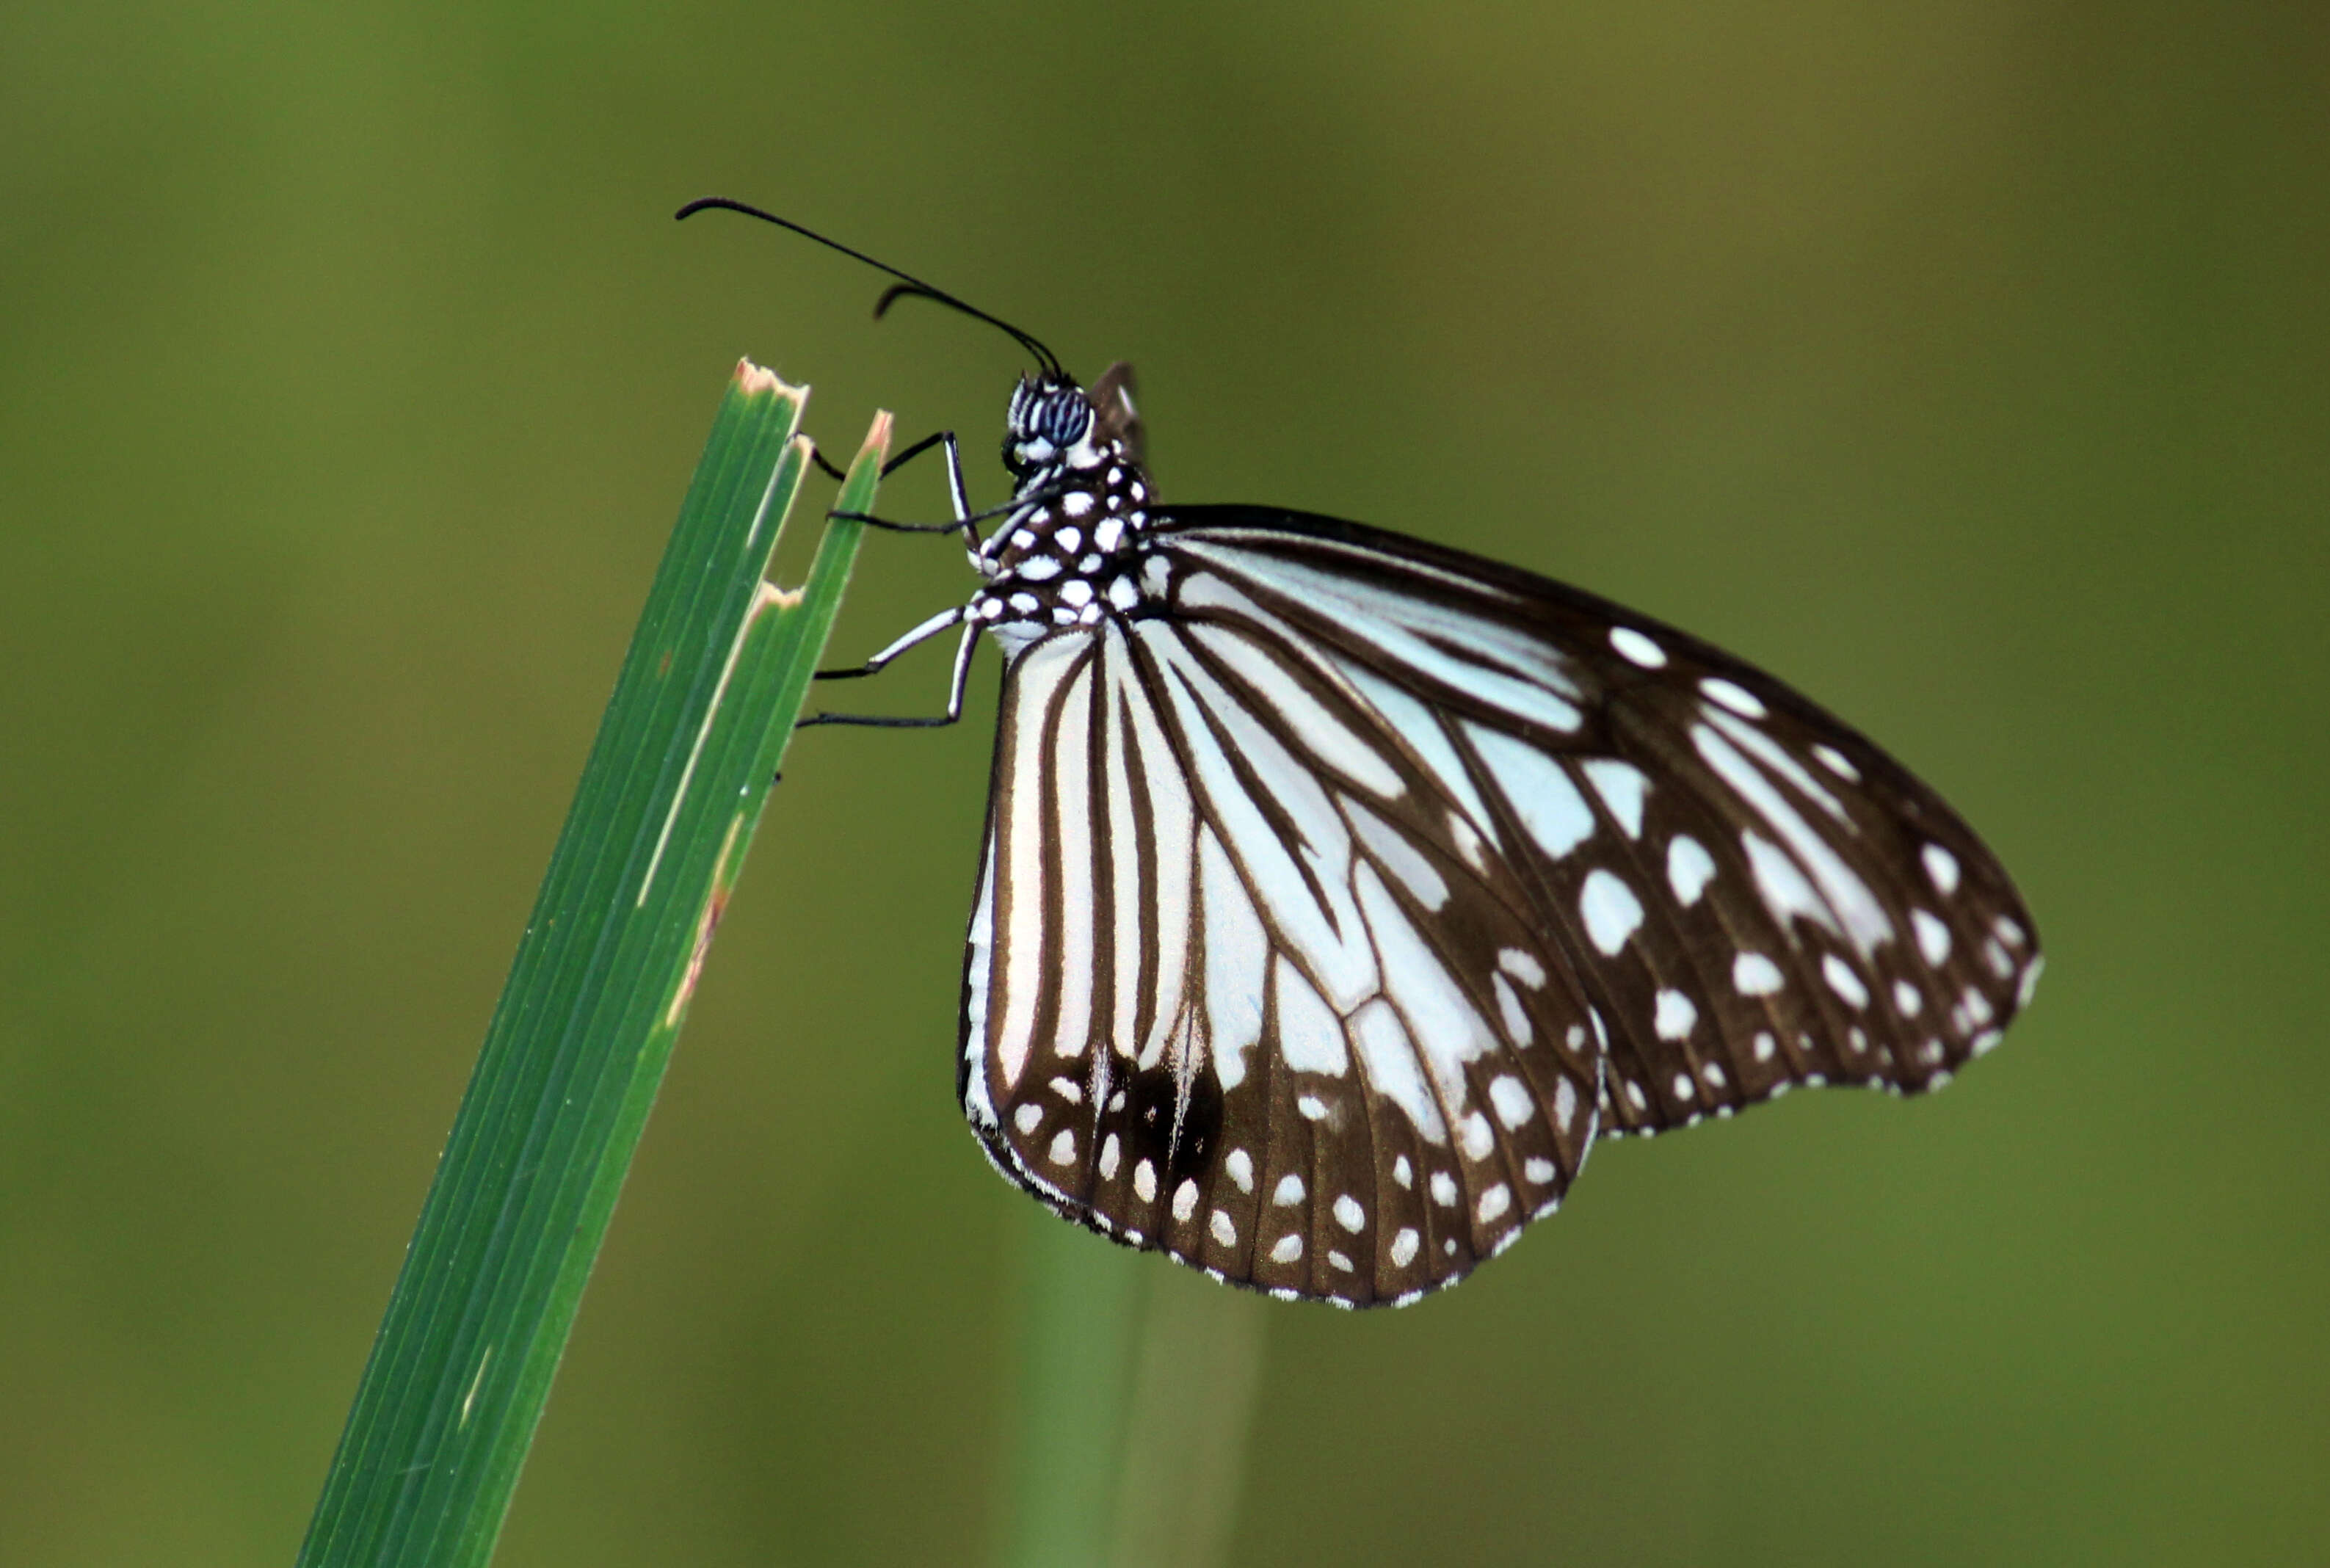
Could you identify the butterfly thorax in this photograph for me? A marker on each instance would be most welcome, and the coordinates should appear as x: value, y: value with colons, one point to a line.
x: 1066, y: 555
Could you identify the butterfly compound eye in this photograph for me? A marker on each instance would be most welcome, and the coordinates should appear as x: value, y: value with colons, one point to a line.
x: 1064, y: 419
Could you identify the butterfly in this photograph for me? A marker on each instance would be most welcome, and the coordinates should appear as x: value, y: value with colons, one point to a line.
x: 1341, y: 889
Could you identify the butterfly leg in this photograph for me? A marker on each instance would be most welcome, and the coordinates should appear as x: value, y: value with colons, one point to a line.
x: 955, y: 463
x: 957, y: 492
x: 817, y: 456
x: 923, y: 633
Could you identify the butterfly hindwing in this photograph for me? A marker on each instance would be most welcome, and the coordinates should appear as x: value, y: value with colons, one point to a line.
x: 1275, y: 1004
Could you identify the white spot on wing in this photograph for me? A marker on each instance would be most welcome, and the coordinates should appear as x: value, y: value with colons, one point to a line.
x: 1538, y: 788
x: 1288, y: 1191
x: 1512, y: 1101
x: 1675, y: 1016
x: 1223, y: 1229
x: 1509, y: 1011
x: 1185, y: 1199
x: 1391, y: 1066
x: 1690, y: 868
x: 1735, y: 697
x: 1782, y: 887
x: 1754, y: 975
x: 1393, y: 851
x: 1495, y: 1202
x: 1235, y: 949
x: 1310, y: 1035
x: 1349, y: 1215
x: 1610, y: 909
x: 1837, y: 762
x: 1943, y: 867
x: 1933, y: 936
x: 1637, y: 649
x: 1623, y: 787
x: 1288, y: 1250
x: 1240, y: 1165
x: 1468, y: 840
x: 1443, y: 1189
x: 1844, y: 981
x: 1404, y: 1246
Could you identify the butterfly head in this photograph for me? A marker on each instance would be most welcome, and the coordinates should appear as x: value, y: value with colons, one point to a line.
x: 1054, y: 425
x: 1050, y: 416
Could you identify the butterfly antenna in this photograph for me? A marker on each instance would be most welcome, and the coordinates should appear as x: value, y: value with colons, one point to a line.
x: 907, y: 286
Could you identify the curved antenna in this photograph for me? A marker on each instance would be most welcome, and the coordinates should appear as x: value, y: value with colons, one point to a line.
x: 908, y: 285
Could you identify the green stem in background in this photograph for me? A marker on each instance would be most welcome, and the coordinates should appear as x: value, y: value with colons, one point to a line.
x: 653, y: 842
x: 1137, y: 1390
x: 1078, y: 1329
x: 1195, y: 1378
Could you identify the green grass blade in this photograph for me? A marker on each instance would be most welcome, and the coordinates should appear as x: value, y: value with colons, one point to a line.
x: 1077, y: 1338
x: 1136, y: 1391
x: 1196, y: 1375
x: 701, y: 713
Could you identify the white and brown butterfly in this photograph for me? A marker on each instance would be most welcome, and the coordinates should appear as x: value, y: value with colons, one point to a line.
x: 1340, y: 889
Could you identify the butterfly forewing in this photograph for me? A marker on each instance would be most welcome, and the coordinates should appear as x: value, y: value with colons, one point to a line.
x: 1750, y: 895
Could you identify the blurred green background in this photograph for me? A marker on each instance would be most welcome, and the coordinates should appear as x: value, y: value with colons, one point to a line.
x: 1963, y: 363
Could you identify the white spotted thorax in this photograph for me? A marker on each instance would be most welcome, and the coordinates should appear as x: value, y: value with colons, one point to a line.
x: 1342, y: 890
x: 1067, y: 552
